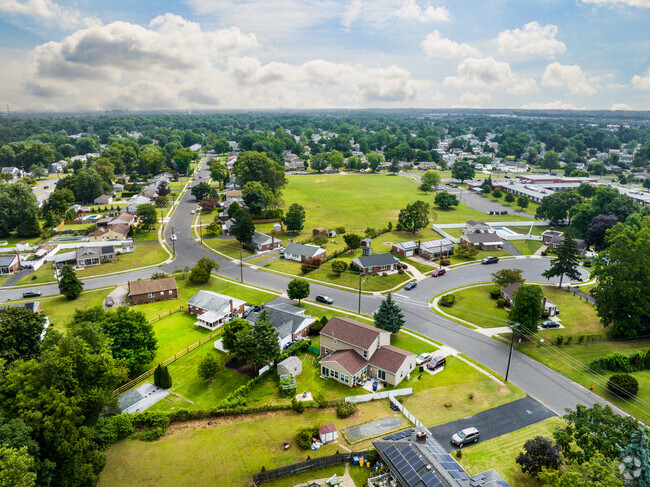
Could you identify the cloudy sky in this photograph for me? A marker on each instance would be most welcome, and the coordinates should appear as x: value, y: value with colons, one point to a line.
x: 228, y: 54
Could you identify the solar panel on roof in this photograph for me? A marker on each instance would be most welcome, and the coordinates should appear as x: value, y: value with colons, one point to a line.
x: 503, y: 483
x: 430, y: 480
x: 455, y: 474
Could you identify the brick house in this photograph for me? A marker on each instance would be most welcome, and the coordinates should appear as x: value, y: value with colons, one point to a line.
x: 263, y: 242
x: 508, y: 293
x: 353, y: 351
x: 142, y: 292
x: 213, y: 309
x: 9, y: 263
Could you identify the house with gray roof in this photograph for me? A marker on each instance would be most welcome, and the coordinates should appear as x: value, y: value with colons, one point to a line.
x: 86, y: 256
x: 372, y: 264
x: 9, y: 263
x: 290, y: 321
x: 213, y: 309
x: 132, y: 206
x: 302, y: 252
x: 263, y: 242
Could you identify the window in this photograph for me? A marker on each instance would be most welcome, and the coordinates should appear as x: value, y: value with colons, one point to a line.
x: 170, y: 292
x: 162, y: 293
x: 383, y: 267
x: 365, y: 354
x: 334, y: 374
x: 335, y: 340
x: 151, y: 295
x: 324, y: 371
x: 381, y: 375
x: 411, y: 365
x: 401, y: 374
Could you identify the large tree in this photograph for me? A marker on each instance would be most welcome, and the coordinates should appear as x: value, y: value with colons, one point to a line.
x: 16, y: 467
x: 539, y: 453
x: 201, y: 190
x: 59, y: 201
x: 636, y: 459
x: 19, y: 210
x: 505, y: 277
x: 147, y: 215
x: 202, y: 270
x: 298, y: 289
x: 294, y: 219
x: 550, y: 161
x: 374, y: 160
x: 231, y: 331
x: 255, y: 166
x: 318, y: 162
x: 243, y: 229
x: 414, y: 217
x: 598, y: 472
x: 623, y: 279
x: 568, y: 260
x: 267, y: 344
x: 430, y: 180
x: 90, y: 185
x: 555, y: 207
x: 352, y: 240
x: 445, y: 200
x: 209, y: 367
x: 597, y: 230
x: 389, y: 316
x: 462, y: 171
x: 20, y: 333
x: 526, y: 308
x: 336, y: 160
x: 256, y: 196
x: 132, y: 337
x: 69, y: 284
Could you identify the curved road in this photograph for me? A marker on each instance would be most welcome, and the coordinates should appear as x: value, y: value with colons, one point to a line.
x: 547, y: 386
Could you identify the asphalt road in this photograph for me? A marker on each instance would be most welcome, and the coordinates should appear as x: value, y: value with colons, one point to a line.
x: 550, y: 388
x: 495, y: 422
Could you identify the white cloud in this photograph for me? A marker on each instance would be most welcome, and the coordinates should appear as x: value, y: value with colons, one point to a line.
x: 352, y: 13
x: 475, y: 98
x: 554, y: 105
x: 488, y: 73
x: 621, y: 106
x: 642, y: 82
x: 631, y: 3
x: 46, y: 10
x: 410, y: 10
x: 533, y: 39
x: 437, y: 46
x: 571, y: 77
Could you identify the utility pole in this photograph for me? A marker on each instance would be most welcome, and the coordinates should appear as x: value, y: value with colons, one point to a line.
x: 173, y: 237
x: 512, y: 343
x: 241, y: 267
x: 359, y: 308
x: 440, y: 255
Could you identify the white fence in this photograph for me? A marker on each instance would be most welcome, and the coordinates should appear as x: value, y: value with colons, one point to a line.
x: 408, y: 414
x: 379, y: 395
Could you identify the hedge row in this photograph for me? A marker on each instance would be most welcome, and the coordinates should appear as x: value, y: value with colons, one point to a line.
x: 620, y: 362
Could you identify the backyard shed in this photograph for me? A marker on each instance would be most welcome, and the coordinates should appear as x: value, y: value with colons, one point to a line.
x: 290, y: 365
x: 319, y: 231
x: 327, y: 433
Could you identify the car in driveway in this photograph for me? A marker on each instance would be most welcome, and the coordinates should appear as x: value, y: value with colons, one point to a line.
x: 550, y: 324
x: 436, y: 362
x: 439, y: 272
x: 423, y: 358
x: 410, y: 285
x: 466, y: 436
x: 490, y: 260
x: 31, y: 294
x: 192, y: 212
x: 321, y: 298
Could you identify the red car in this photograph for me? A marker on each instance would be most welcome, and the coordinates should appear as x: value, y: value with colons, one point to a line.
x: 439, y: 272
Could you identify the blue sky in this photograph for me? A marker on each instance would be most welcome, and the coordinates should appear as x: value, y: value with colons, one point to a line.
x: 204, y: 54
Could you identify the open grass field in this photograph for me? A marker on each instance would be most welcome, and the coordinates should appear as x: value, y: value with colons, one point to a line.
x: 500, y: 453
x: 570, y: 360
x: 227, y: 452
x: 60, y: 310
x: 358, y: 201
x: 526, y: 247
x: 445, y: 396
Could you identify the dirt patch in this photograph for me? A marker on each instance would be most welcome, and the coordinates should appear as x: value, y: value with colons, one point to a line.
x: 319, y: 181
x: 390, y: 244
x: 244, y: 369
x: 197, y: 424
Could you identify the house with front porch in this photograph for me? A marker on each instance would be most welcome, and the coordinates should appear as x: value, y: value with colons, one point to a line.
x: 263, y: 242
x: 508, y: 294
x: 9, y: 263
x: 354, y: 351
x: 213, y: 309
x: 303, y: 252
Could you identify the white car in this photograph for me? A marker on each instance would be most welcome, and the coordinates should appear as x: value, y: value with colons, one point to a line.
x: 193, y: 212
x: 423, y: 358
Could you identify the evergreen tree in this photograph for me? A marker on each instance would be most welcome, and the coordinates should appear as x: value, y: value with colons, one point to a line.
x: 635, y: 460
x: 69, y: 284
x: 267, y: 346
x: 157, y: 374
x: 165, y: 378
x: 389, y: 316
x: 567, y: 260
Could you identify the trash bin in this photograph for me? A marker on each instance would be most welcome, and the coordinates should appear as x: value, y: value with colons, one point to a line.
x: 375, y: 385
x: 504, y: 212
x: 421, y: 368
x: 355, y: 461
x: 491, y: 212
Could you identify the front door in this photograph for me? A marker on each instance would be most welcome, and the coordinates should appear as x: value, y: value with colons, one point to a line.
x: 381, y: 375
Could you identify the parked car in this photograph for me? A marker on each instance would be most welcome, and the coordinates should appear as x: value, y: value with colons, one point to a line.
x: 423, y: 358
x: 46, y: 187
x: 490, y: 260
x: 321, y: 298
x: 550, y: 324
x: 463, y: 437
x: 393, y: 406
x: 439, y: 272
x: 192, y: 212
x: 108, y: 302
x: 436, y: 362
x: 31, y: 294
x: 250, y: 310
x: 410, y: 285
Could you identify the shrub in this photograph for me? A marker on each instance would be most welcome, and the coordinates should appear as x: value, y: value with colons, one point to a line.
x: 445, y: 262
x: 623, y: 385
x: 581, y: 338
x: 305, y: 435
x: 647, y: 360
x: 495, y: 293
x: 587, y: 263
x: 345, y: 409
x: 559, y: 339
x: 448, y: 404
x: 34, y: 277
x: 297, y: 406
x: 319, y: 240
x: 319, y: 398
x: 318, y: 326
x: 544, y: 253
x: 617, y: 362
x: 471, y: 396
x: 497, y: 193
x: 150, y: 426
x: 448, y: 300
x: 110, y: 430
x: 401, y: 271
x: 501, y: 303
x: 340, y: 230
x: 459, y: 453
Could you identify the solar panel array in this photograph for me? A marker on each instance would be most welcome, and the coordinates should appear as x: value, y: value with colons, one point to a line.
x: 448, y: 463
x: 399, y: 435
x: 408, y: 462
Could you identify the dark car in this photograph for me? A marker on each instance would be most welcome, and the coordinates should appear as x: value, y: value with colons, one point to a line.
x: 31, y: 294
x: 490, y: 260
x: 436, y: 362
x: 393, y: 406
x: 410, y: 285
x: 439, y: 272
x: 252, y: 309
x: 550, y: 324
x: 321, y: 298
x: 463, y: 437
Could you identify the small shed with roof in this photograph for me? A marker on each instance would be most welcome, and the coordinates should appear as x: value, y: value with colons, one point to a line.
x: 290, y: 365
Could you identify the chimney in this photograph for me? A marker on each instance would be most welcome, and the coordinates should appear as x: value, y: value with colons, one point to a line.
x: 232, y: 309
x: 420, y: 436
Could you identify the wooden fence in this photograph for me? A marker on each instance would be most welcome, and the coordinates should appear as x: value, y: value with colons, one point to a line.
x: 165, y: 315
x: 176, y: 356
x: 305, y: 466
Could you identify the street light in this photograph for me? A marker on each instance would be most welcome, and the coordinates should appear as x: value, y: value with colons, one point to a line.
x: 173, y: 239
x: 201, y: 230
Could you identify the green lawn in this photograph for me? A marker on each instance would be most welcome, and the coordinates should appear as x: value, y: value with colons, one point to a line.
x: 175, y: 333
x: 43, y: 274
x: 500, y: 453
x: 60, y: 310
x: 79, y: 227
x: 343, y: 200
x: 532, y: 230
x: 454, y: 386
x: 148, y: 235
x: 319, y: 473
x: 228, y: 246
x: 526, y: 247
x: 228, y: 452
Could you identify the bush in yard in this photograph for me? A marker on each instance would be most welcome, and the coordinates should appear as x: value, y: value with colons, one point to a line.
x: 647, y: 360
x: 544, y: 253
x: 318, y: 326
x: 445, y: 262
x: 587, y: 263
x: 501, y: 303
x: 559, y: 339
x: 110, y: 430
x: 447, y: 300
x: 623, y: 385
x: 319, y: 240
x: 497, y: 193
x: 345, y: 409
x: 539, y: 453
x: 209, y: 367
x: 495, y: 293
x: 510, y: 197
x: 339, y: 266
x: 340, y: 230
x: 297, y: 406
x: 319, y: 398
x: 305, y: 435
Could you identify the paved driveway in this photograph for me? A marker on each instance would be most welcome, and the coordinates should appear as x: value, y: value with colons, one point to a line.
x: 496, y: 421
